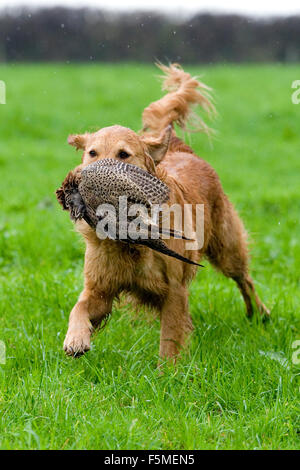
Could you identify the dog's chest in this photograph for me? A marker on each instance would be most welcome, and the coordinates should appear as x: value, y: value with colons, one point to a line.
x: 130, y: 268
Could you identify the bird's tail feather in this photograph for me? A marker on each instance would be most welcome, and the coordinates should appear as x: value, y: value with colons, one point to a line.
x: 162, y: 248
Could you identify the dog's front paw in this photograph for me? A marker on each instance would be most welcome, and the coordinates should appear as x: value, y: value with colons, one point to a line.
x: 77, y: 342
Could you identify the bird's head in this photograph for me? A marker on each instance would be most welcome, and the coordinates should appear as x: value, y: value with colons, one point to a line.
x: 123, y: 144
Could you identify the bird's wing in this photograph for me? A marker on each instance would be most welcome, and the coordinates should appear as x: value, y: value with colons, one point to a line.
x: 109, y: 177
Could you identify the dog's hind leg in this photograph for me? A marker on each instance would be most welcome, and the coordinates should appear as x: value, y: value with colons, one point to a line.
x: 228, y: 252
x: 246, y: 286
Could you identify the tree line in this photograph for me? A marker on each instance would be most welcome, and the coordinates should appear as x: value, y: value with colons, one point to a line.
x: 66, y: 34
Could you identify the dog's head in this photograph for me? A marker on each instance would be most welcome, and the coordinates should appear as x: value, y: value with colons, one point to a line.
x: 123, y: 144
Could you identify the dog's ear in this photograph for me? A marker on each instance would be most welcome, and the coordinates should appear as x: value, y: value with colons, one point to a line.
x: 78, y: 141
x: 158, y: 146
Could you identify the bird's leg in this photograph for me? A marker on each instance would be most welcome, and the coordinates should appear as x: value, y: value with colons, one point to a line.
x: 92, y: 308
x: 176, y: 323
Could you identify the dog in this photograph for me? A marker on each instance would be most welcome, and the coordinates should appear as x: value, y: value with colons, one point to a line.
x: 113, y: 267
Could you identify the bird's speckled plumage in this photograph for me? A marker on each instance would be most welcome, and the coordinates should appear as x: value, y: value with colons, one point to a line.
x: 103, y: 182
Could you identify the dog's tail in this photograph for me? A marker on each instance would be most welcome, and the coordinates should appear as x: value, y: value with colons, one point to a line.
x: 184, y: 93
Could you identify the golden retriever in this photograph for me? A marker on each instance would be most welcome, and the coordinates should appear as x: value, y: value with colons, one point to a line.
x: 112, y: 267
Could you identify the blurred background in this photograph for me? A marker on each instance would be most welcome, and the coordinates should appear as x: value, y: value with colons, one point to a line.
x: 187, y: 31
x: 77, y: 66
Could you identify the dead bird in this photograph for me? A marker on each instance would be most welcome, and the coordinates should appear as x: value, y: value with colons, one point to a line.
x: 89, y: 193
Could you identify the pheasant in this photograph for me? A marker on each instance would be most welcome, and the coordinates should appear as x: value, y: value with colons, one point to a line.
x: 93, y: 194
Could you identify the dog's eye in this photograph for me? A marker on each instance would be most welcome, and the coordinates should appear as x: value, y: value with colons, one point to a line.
x: 122, y: 154
x: 93, y: 153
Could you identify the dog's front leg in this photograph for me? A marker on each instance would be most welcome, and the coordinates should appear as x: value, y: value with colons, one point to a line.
x: 176, y: 323
x: 91, y: 308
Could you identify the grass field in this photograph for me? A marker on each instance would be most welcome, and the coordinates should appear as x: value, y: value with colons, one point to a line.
x: 237, y: 388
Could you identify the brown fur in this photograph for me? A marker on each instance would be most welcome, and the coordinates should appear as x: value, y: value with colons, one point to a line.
x: 154, y: 279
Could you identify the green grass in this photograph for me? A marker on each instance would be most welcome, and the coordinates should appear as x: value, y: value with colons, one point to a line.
x: 237, y: 388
